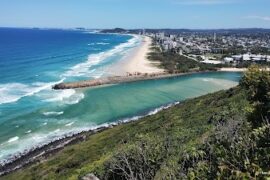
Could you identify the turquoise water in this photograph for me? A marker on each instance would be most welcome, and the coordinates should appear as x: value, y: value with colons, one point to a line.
x: 32, y: 60
x: 103, y: 105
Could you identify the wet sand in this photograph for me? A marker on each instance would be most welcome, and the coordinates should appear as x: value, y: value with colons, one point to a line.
x: 136, y: 61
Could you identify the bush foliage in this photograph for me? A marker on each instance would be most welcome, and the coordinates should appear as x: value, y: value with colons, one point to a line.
x: 238, y: 147
x: 224, y: 135
x: 175, y: 63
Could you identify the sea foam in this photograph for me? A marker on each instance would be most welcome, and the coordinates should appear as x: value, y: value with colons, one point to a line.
x: 16, y: 138
x: 60, y: 95
x: 12, y: 92
x: 102, y: 43
x: 42, y: 139
x: 53, y: 113
x: 68, y: 96
x: 82, y: 69
x: 70, y: 124
x: 28, y: 132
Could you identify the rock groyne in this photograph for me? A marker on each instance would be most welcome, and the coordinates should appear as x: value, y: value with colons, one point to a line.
x: 117, y: 80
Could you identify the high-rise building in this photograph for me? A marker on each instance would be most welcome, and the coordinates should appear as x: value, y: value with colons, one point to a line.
x: 162, y: 35
x: 143, y: 32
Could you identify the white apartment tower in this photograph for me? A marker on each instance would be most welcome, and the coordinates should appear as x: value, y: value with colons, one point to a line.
x: 215, y: 37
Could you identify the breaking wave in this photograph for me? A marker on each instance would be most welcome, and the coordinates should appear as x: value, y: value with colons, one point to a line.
x: 16, y: 138
x: 83, y: 69
x: 44, y: 139
x: 12, y: 92
x: 53, y: 113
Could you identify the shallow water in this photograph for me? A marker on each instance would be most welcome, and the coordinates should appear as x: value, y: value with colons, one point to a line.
x: 104, y: 105
x: 31, y: 61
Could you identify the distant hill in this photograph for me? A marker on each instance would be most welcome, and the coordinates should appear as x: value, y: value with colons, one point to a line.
x: 116, y: 30
x: 177, y: 31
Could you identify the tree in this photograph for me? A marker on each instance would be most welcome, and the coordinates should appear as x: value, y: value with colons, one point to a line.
x: 257, y: 82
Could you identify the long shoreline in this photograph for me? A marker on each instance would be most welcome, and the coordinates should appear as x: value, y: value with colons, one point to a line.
x: 135, y: 67
x: 149, y: 72
x: 136, y: 61
x: 42, y: 153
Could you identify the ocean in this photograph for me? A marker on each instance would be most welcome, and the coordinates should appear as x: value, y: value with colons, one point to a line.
x: 32, y: 60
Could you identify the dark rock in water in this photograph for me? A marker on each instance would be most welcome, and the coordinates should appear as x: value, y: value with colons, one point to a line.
x: 89, y: 177
x: 59, y: 86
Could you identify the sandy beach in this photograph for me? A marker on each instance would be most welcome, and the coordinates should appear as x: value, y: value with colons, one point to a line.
x: 136, y: 61
x: 233, y: 69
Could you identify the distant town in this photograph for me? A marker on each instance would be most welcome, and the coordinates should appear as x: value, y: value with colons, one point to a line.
x: 236, y: 47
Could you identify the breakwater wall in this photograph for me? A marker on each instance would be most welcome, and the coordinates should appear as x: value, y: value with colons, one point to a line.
x: 117, y: 80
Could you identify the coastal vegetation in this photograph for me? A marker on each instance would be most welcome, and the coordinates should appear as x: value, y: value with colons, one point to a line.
x: 222, y: 135
x: 176, y: 63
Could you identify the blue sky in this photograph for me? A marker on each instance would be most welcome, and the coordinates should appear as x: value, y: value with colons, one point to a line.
x: 135, y: 13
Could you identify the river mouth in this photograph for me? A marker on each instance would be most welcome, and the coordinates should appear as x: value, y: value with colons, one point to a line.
x: 91, y: 108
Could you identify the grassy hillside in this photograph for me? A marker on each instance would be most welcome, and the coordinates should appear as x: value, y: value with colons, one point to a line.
x: 164, y: 136
x: 221, y: 135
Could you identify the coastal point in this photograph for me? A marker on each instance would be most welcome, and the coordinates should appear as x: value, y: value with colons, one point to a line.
x: 134, y: 90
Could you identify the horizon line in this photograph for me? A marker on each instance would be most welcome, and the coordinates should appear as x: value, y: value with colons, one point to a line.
x: 167, y: 28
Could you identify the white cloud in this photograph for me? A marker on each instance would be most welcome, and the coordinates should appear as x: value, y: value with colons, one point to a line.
x: 263, y: 18
x: 203, y: 2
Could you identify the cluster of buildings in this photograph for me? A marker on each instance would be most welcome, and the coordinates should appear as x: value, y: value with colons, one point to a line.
x: 216, y: 47
x: 168, y: 42
x: 247, y: 57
